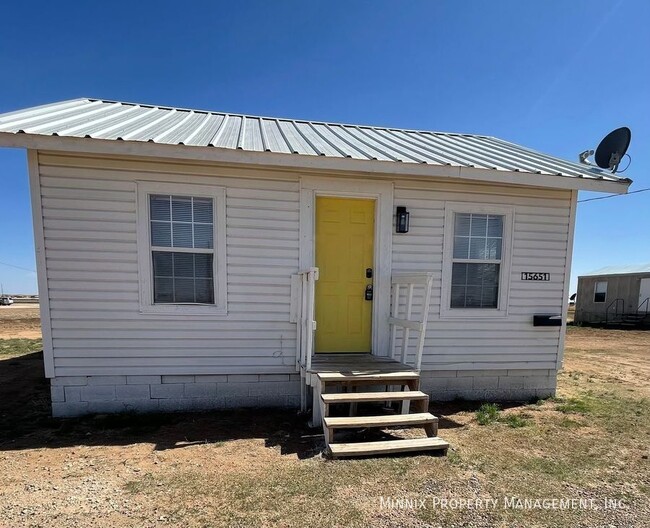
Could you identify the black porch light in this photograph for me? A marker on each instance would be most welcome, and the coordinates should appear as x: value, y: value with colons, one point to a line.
x: 402, y: 220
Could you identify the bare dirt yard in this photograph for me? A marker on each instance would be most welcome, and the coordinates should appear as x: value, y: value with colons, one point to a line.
x: 265, y: 469
x: 20, y: 321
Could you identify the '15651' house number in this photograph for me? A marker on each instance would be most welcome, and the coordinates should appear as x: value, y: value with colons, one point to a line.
x: 535, y: 276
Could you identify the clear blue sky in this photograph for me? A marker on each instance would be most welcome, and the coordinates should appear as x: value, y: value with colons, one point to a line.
x: 553, y: 75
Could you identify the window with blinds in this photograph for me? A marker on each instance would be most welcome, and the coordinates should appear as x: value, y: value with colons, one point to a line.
x: 182, y: 249
x: 476, y: 260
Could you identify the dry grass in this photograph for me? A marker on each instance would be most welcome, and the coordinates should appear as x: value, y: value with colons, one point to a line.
x: 264, y: 469
x: 19, y: 347
x: 20, y: 321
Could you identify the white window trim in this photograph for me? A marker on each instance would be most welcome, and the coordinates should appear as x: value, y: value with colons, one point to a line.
x: 605, y: 292
x: 145, y: 266
x: 446, y: 312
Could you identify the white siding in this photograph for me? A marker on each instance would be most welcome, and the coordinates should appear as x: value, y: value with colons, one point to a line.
x: 89, y: 218
x: 541, y: 229
x: 89, y: 213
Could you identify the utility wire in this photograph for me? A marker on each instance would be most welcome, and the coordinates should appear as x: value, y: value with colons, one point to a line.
x: 613, y: 195
x: 17, y: 267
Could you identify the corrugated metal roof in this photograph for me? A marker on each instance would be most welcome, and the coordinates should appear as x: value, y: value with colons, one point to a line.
x: 619, y: 270
x: 101, y: 119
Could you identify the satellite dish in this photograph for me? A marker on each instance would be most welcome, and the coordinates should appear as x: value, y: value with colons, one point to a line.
x: 612, y: 148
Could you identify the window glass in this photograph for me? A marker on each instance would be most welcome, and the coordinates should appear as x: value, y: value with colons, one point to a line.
x: 182, y: 222
x: 600, y: 292
x: 478, y: 242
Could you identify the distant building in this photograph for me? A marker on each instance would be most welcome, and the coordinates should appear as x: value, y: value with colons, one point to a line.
x: 615, y: 295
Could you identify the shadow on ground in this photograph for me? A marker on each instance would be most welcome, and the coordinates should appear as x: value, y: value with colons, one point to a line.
x: 26, y: 423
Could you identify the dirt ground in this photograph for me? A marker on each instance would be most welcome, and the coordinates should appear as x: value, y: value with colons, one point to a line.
x: 20, y: 321
x: 265, y: 469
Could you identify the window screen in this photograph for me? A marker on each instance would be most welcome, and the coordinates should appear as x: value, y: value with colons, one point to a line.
x: 600, y: 292
x: 478, y: 243
x: 182, y: 242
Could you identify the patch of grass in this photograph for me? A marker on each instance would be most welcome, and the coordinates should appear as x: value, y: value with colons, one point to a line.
x: 568, y: 423
x: 19, y: 347
x: 574, y: 405
x: 611, y: 410
x: 555, y: 468
x: 490, y: 413
x: 487, y: 413
x: 454, y: 458
x: 514, y: 420
x: 144, y: 485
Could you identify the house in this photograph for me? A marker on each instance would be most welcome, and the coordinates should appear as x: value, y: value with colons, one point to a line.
x: 198, y: 260
x: 614, y: 295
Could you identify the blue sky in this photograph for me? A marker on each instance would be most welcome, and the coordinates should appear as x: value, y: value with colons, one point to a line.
x: 551, y: 75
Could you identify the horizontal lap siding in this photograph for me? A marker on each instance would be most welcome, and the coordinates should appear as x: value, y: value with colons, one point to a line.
x: 89, y: 213
x: 541, y: 228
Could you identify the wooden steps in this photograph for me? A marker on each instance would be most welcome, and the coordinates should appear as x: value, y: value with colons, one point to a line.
x: 365, y: 397
x: 347, y: 380
x: 393, y: 420
x: 388, y: 447
x: 388, y: 377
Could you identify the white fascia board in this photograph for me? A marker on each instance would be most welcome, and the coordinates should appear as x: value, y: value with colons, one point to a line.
x: 305, y: 162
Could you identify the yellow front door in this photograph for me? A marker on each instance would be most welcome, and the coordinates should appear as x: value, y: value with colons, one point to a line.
x: 345, y: 229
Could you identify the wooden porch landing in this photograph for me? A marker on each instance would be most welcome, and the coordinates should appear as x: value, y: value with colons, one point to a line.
x: 356, y: 364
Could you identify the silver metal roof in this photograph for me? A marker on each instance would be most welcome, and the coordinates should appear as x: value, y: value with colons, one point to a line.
x: 101, y: 119
x: 620, y: 270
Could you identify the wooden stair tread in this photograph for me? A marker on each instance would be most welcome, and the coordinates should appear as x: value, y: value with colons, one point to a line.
x: 379, y: 421
x: 388, y: 446
x: 352, y: 397
x: 373, y: 376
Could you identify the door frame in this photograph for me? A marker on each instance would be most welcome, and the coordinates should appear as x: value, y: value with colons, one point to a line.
x: 382, y: 193
x: 641, y: 279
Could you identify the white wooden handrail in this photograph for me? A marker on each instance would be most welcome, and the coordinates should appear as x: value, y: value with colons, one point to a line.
x: 302, y: 313
x: 409, y: 281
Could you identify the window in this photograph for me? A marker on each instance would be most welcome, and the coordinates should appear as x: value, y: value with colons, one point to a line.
x: 478, y: 239
x: 181, y: 248
x: 182, y: 242
x: 476, y: 260
x: 600, y: 292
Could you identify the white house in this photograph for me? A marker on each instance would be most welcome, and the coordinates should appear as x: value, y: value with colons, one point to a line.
x: 183, y: 257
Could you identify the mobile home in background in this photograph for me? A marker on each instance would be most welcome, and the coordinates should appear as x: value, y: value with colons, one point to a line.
x: 615, y: 295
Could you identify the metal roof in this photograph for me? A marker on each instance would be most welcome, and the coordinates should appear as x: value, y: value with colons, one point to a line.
x: 619, y: 270
x: 112, y: 120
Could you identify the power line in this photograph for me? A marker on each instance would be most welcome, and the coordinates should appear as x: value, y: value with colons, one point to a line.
x: 613, y: 195
x: 17, y: 267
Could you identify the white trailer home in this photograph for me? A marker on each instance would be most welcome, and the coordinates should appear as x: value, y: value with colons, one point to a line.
x: 200, y: 260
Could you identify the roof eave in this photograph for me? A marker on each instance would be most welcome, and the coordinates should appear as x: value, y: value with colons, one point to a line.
x: 306, y: 162
x: 612, y: 274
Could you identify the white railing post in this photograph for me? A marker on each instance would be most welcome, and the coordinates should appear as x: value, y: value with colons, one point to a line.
x: 407, y: 331
x: 410, y: 280
x: 394, y: 314
x: 302, y: 313
x: 425, y: 320
x: 303, y: 320
x: 309, y: 349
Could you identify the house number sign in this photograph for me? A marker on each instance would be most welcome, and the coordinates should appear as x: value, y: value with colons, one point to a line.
x: 535, y: 276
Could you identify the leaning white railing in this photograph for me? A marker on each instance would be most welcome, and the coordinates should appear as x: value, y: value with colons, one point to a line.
x: 303, y: 301
x: 406, y: 283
